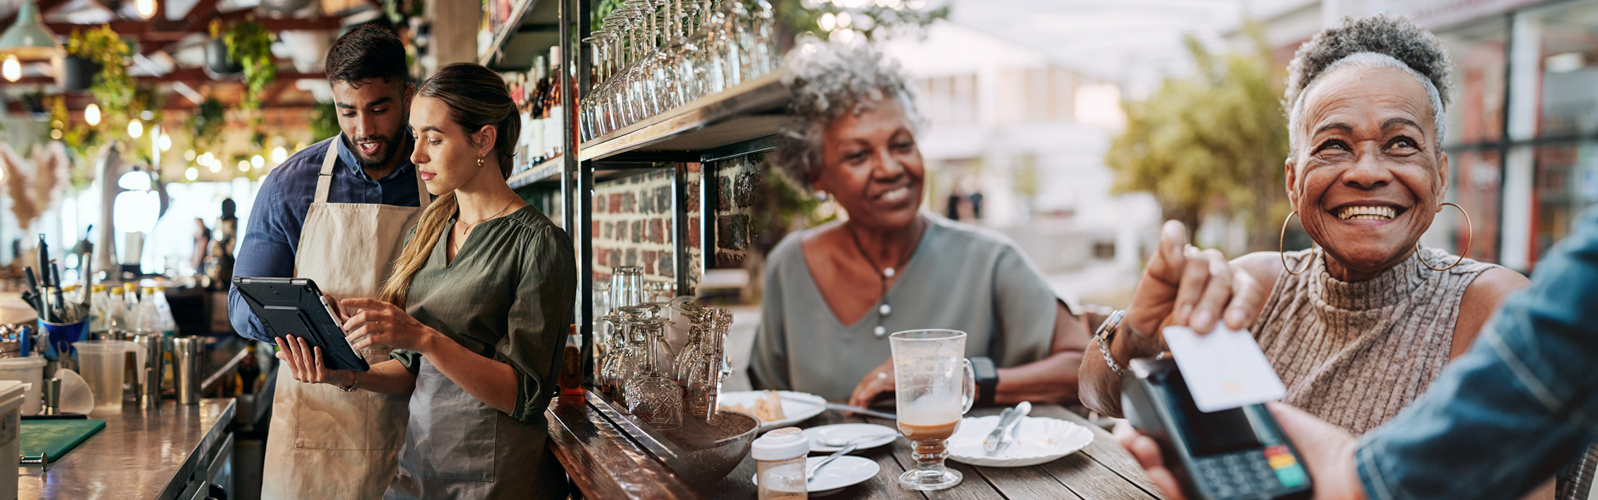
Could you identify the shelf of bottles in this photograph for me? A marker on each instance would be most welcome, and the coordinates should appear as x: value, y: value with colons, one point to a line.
x: 501, y: 18
x: 537, y: 96
x: 655, y: 56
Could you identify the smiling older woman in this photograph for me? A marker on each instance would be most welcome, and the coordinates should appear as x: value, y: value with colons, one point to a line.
x: 1360, y: 325
x: 833, y: 293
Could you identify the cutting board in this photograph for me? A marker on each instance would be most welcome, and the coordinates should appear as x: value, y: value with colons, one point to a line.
x: 56, y: 437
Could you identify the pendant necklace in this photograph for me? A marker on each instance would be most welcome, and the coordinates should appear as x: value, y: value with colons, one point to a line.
x: 461, y: 241
x: 883, y: 309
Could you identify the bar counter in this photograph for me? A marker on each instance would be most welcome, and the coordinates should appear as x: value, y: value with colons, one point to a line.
x: 175, y: 452
x: 604, y: 462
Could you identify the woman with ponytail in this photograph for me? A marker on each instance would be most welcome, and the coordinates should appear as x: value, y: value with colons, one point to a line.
x: 476, y: 310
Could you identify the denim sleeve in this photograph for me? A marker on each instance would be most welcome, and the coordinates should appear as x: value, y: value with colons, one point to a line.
x: 267, y: 250
x: 1517, y: 406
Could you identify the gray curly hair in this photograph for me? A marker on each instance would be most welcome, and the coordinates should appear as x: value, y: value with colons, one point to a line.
x: 1376, y: 41
x: 826, y: 80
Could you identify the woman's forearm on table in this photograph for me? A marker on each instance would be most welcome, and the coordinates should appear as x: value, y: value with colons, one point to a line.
x: 490, y: 381
x: 1052, y: 379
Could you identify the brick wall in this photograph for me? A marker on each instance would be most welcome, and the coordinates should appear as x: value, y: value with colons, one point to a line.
x: 632, y: 225
x: 738, y: 180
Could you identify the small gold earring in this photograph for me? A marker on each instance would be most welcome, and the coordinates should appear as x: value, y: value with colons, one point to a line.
x: 479, y: 162
x: 1282, y: 239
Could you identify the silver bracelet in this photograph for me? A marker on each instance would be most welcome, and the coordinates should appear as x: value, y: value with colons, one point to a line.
x: 1105, y: 334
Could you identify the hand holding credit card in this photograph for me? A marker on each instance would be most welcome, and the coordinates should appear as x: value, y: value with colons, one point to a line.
x: 1224, y: 369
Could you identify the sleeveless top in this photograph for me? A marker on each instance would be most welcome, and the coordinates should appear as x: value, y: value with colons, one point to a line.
x: 1355, y: 353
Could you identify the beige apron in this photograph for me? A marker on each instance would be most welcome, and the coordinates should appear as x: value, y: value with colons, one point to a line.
x: 326, y: 443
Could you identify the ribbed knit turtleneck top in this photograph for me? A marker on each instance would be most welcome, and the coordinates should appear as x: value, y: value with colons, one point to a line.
x: 1355, y: 353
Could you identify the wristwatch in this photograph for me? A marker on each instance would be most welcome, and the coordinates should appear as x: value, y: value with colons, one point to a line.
x: 987, y: 380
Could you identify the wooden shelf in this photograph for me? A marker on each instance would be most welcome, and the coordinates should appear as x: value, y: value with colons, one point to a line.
x: 548, y: 169
x: 508, y: 31
x: 743, y: 113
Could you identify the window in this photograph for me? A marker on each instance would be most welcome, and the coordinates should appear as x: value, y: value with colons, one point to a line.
x: 1480, y: 65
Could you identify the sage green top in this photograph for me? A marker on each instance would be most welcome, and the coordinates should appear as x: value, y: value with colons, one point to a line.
x: 959, y: 277
x: 508, y: 296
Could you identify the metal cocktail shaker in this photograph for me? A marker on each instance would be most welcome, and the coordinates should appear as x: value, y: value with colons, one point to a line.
x: 151, y: 371
x: 187, y: 355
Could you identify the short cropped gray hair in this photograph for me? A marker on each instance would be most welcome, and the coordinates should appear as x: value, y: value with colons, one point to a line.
x: 826, y: 80
x: 1380, y: 40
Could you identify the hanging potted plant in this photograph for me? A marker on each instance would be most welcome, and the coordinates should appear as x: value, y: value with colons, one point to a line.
x: 95, y: 63
x: 250, y: 44
x: 206, y: 123
x: 217, y: 61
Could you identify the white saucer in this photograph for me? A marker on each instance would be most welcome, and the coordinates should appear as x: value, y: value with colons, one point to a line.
x: 846, y: 471
x: 839, y: 432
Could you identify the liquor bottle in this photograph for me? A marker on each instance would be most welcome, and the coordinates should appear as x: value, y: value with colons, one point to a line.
x: 570, y: 380
x: 554, y: 126
x: 540, y: 109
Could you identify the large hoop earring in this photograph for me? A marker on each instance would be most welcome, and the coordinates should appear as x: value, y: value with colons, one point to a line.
x: 1282, y: 239
x: 1470, y: 234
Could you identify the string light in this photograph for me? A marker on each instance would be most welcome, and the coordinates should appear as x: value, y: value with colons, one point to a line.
x: 244, y: 165
x: 166, y: 142
x: 279, y: 154
x: 257, y: 161
x: 191, y: 174
x: 91, y: 114
x: 135, y: 128
x: 188, y: 155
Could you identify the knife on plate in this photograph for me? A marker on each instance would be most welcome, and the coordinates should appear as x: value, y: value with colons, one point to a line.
x: 1007, y: 420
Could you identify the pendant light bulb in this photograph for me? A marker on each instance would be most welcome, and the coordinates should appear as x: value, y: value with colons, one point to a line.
x: 12, y: 68
x: 91, y: 114
x: 146, y: 8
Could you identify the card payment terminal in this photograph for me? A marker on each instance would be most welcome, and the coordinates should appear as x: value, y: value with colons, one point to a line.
x: 1239, y: 453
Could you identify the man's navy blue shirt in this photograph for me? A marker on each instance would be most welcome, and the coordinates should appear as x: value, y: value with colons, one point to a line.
x: 273, y: 233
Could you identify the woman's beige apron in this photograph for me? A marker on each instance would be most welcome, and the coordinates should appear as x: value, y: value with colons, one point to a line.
x: 326, y: 443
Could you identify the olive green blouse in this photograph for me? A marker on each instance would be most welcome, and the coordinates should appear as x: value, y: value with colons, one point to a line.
x: 509, y: 296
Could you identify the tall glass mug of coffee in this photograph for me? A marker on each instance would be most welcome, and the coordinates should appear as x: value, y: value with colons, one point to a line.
x: 934, y: 387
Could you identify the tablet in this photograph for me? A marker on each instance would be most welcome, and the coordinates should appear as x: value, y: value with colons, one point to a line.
x: 294, y: 306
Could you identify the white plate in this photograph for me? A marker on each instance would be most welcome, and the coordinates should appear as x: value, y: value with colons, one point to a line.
x: 796, y: 406
x: 1038, y: 440
x: 846, y: 471
x: 840, y: 432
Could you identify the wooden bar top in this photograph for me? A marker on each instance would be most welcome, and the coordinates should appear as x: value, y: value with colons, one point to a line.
x: 605, y: 463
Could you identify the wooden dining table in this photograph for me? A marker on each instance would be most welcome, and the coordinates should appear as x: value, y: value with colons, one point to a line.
x: 603, y: 462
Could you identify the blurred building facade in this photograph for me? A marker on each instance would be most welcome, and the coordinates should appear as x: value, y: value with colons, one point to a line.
x: 1015, y: 142
x: 1523, y: 128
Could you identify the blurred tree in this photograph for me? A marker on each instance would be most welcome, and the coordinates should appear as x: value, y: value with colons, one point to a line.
x: 1211, y: 143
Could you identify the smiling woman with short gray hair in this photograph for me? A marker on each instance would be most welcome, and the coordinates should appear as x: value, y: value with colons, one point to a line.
x: 1358, y: 325
x: 835, y: 292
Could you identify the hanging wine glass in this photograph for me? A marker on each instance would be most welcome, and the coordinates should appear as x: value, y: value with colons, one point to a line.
x: 651, y: 397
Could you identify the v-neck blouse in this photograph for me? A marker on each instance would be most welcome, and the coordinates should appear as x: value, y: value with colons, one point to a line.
x: 960, y: 277
x: 508, y: 295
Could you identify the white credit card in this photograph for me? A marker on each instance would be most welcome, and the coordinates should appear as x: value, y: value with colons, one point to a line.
x: 1224, y: 369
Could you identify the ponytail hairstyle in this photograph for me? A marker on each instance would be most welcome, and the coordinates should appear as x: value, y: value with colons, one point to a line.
x: 476, y: 97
